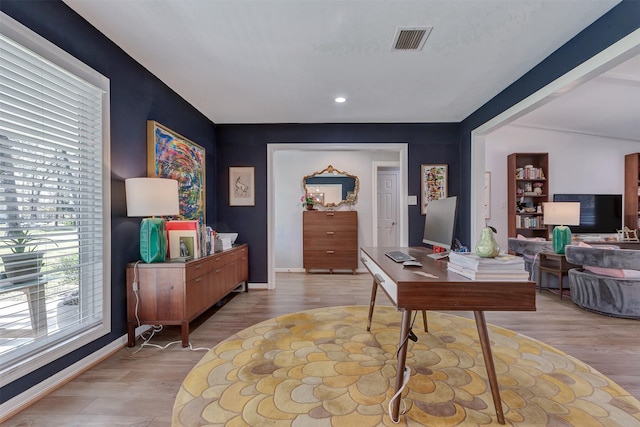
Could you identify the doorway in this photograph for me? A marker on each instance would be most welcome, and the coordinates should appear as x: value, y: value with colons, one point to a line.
x: 386, y: 204
x: 279, y: 208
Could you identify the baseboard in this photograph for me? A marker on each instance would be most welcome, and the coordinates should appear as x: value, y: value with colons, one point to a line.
x: 253, y: 286
x: 13, y: 406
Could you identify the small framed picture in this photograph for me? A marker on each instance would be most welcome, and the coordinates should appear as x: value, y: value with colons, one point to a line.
x: 433, y: 182
x: 242, y: 186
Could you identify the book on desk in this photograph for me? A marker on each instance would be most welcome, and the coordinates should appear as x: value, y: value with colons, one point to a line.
x: 502, y: 267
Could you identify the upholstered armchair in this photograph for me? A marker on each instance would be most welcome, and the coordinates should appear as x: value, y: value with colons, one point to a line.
x: 608, y: 282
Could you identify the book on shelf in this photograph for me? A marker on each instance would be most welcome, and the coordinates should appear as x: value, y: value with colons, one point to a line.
x: 494, y: 275
x: 472, y: 261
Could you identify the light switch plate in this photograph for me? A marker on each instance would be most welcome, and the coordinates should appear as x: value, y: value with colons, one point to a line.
x: 412, y: 200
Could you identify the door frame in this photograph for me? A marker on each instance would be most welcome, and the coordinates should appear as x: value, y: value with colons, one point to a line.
x: 400, y: 147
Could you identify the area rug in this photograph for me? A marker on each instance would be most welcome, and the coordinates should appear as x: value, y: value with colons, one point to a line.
x: 322, y: 368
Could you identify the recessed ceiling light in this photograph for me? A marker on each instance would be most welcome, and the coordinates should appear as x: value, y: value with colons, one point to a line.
x: 340, y: 99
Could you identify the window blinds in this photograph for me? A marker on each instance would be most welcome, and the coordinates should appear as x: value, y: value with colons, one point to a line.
x: 51, y: 203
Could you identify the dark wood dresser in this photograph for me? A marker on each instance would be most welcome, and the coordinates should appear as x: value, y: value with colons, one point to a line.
x: 175, y: 293
x: 330, y: 240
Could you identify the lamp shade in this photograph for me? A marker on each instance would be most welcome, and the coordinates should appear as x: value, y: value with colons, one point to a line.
x: 152, y: 197
x: 561, y: 213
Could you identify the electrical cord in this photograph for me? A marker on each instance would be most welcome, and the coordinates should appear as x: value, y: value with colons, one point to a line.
x: 407, y: 371
x: 405, y: 380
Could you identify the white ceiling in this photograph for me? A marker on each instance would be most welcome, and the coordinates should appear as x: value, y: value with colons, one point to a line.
x: 278, y: 61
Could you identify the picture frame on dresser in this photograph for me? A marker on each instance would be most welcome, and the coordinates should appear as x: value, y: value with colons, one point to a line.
x: 242, y: 186
x: 171, y: 155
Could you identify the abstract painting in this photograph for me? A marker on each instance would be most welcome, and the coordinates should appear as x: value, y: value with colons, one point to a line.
x: 171, y: 155
x: 433, y: 181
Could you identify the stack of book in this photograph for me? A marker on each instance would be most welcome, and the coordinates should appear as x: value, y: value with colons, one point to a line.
x: 502, y: 267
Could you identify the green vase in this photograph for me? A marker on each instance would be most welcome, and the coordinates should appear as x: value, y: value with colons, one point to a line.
x: 487, y: 247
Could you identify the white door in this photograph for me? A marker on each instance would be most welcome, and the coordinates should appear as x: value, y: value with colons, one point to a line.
x: 387, y: 187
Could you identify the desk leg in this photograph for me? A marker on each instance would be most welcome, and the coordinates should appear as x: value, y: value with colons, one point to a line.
x: 372, y: 303
x: 402, y: 358
x: 488, y: 360
x: 424, y: 320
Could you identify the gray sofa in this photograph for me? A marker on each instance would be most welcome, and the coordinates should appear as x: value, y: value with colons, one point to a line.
x: 604, y: 294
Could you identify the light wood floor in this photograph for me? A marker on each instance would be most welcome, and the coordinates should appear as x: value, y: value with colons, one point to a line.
x: 137, y: 386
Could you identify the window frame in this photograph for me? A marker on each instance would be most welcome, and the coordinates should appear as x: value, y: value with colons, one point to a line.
x: 29, y: 39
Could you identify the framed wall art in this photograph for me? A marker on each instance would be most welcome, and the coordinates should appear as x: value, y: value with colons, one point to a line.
x: 433, y: 183
x: 242, y: 186
x: 171, y: 155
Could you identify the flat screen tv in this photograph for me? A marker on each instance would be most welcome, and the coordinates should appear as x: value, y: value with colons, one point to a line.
x: 599, y: 213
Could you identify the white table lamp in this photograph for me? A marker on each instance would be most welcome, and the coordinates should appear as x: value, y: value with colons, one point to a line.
x: 561, y: 214
x: 151, y: 197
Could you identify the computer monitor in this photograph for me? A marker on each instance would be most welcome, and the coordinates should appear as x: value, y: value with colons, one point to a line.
x: 439, y: 224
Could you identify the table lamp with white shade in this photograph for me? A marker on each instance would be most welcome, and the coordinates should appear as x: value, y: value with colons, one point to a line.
x: 561, y: 214
x: 151, y: 197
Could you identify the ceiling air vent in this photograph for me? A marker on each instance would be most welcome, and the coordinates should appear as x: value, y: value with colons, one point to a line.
x: 411, y: 38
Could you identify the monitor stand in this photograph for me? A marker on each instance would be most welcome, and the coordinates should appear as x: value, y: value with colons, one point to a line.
x: 438, y: 255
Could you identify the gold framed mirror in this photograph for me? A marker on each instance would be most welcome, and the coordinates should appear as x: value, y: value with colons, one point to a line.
x: 331, y: 187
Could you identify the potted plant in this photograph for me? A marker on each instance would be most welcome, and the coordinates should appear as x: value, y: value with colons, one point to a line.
x: 308, y: 201
x: 24, y: 258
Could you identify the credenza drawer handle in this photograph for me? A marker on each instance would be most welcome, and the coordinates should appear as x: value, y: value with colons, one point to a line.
x: 331, y: 233
x: 330, y: 214
x: 198, y: 266
x: 331, y: 252
x: 199, y: 279
x: 379, y: 278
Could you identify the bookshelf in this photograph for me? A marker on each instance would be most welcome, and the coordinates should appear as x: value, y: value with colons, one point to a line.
x: 528, y: 188
x: 631, y: 190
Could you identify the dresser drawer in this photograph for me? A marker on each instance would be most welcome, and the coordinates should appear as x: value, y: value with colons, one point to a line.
x: 196, y: 268
x: 330, y: 240
x: 338, y: 258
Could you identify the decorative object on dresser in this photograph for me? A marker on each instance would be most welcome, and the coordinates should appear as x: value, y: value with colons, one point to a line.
x: 331, y: 187
x: 527, y: 189
x: 330, y: 240
x: 150, y: 197
x: 175, y: 293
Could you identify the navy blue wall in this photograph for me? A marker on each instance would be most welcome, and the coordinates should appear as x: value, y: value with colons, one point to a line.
x: 246, y: 145
x: 136, y: 96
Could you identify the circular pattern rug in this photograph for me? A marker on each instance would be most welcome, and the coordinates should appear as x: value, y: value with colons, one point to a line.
x: 322, y: 368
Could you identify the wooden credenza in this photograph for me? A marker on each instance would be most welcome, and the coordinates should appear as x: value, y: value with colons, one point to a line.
x: 330, y: 240
x: 172, y: 293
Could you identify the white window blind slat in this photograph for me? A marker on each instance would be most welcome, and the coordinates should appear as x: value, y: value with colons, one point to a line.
x: 52, y: 210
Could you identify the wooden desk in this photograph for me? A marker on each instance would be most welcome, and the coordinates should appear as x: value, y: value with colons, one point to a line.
x: 410, y: 291
x: 553, y: 263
